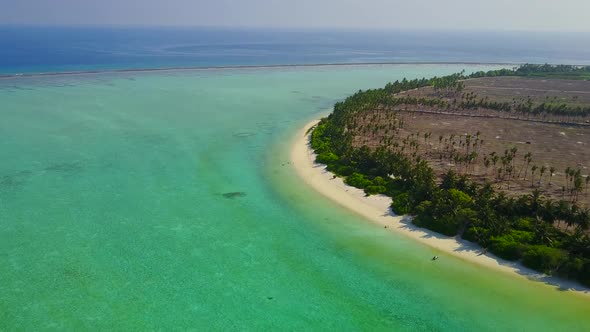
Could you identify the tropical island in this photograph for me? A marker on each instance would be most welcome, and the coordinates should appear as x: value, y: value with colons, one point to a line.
x: 497, y: 158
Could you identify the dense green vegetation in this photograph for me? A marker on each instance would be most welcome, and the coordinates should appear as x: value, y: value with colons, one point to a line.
x: 523, y: 228
x: 541, y: 71
x: 470, y: 101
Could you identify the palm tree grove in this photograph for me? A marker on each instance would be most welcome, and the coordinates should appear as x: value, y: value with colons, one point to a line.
x: 520, y: 191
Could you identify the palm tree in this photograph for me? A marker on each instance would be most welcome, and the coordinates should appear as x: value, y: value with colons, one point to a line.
x: 567, y: 176
x: 486, y: 164
x: 535, y: 201
x: 551, y: 173
x: 527, y: 160
x: 578, y: 185
x: 549, y: 211
x: 542, y: 171
x: 578, y: 241
x: 495, y: 160
x: 571, y: 215
x: 513, y: 151
x: 533, y: 170
x: 582, y: 219
x: 562, y: 210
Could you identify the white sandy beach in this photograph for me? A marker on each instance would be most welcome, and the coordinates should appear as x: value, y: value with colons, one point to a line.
x: 376, y: 209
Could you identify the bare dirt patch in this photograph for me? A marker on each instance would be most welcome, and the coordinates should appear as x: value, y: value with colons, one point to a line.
x: 555, y: 143
x: 508, y: 88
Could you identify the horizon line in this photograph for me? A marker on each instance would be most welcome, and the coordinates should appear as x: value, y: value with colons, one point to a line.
x: 283, y: 28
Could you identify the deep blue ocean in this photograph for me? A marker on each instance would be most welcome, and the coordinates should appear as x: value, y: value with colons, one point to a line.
x: 34, y: 49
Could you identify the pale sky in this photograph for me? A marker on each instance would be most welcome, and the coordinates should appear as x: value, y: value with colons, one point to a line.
x: 563, y: 15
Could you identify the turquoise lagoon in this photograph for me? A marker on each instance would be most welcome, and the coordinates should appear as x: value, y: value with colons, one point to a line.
x: 166, y: 201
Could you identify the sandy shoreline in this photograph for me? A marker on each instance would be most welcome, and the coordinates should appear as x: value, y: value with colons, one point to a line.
x: 376, y: 209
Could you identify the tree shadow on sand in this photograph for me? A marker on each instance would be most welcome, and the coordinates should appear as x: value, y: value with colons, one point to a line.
x: 469, y: 247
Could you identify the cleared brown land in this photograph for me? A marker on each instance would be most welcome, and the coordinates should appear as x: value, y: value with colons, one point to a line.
x: 550, y: 144
x: 575, y: 92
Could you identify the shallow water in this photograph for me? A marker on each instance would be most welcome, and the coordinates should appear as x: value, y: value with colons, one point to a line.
x: 166, y: 201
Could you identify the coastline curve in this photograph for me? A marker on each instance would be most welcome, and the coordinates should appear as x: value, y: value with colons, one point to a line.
x: 377, y: 210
